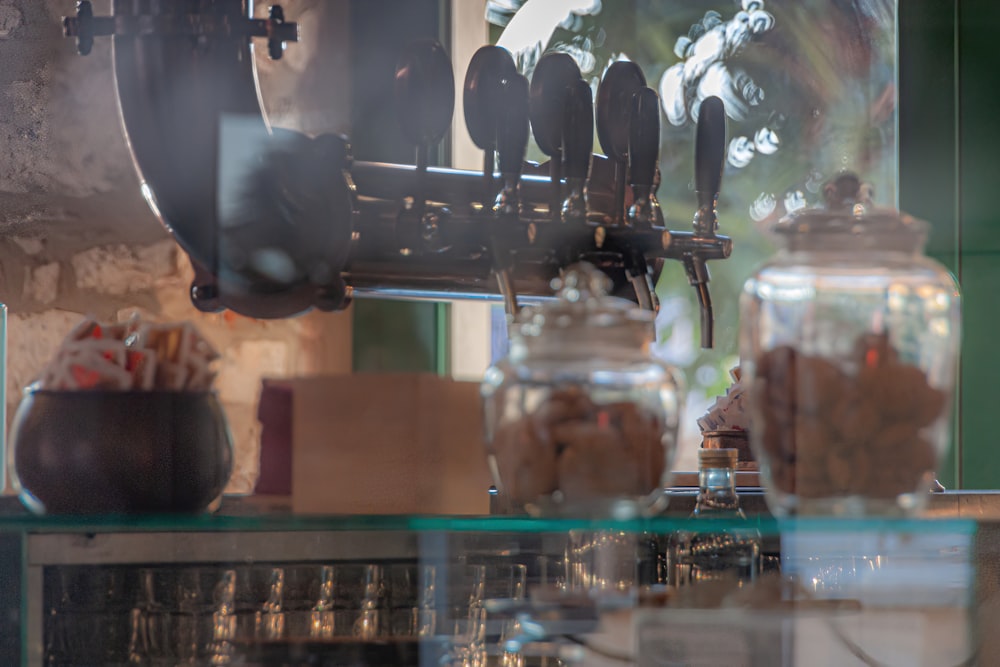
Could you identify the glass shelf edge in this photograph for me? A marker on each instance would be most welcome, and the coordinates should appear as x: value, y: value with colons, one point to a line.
x: 467, y: 524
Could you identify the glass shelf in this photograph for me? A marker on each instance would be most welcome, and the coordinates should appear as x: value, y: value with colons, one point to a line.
x: 467, y: 524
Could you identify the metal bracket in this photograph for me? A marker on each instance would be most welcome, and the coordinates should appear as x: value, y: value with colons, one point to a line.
x: 85, y: 27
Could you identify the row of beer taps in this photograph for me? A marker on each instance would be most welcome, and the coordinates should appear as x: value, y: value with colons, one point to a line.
x: 612, y: 197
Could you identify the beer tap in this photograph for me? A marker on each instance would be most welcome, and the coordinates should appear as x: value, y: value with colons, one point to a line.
x: 710, y: 147
x: 553, y: 75
x: 614, y: 107
x: 578, y: 148
x: 628, y: 122
x: 489, y: 69
x: 643, y: 153
x: 512, y: 144
x: 425, y: 101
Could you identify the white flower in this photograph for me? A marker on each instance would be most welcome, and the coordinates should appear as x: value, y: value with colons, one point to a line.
x: 762, y: 207
x: 709, y: 48
x: 672, y: 96
x: 766, y: 141
x: 719, y: 81
x: 794, y: 200
x: 741, y: 151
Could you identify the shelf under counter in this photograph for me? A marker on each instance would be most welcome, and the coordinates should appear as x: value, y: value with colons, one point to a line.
x: 945, y: 556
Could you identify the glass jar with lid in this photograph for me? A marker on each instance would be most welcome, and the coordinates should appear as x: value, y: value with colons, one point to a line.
x: 849, y: 339
x: 580, y: 418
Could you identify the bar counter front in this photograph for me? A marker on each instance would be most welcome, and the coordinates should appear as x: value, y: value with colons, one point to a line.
x: 239, y: 589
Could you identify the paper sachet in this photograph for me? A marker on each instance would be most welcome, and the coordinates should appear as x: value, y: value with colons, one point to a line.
x: 132, y: 356
x: 729, y: 412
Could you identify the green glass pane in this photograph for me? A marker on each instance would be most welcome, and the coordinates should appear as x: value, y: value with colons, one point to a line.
x: 459, y: 524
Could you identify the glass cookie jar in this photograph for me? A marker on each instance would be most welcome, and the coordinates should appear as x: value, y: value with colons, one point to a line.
x: 580, y: 419
x: 849, y: 340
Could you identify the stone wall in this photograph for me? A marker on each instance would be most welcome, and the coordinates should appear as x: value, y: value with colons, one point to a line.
x: 77, y: 238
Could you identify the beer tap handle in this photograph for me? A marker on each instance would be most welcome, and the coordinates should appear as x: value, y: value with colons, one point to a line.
x: 424, y: 92
x: 425, y: 102
x: 512, y: 144
x: 710, y: 146
x: 578, y: 148
x: 550, y: 81
x: 710, y: 150
x: 614, y: 107
x: 643, y: 154
x: 489, y: 70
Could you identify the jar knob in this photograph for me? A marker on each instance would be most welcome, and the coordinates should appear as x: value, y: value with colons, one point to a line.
x: 581, y: 282
x: 847, y: 191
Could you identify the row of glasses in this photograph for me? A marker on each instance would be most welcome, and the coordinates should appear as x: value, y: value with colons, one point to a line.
x: 211, y: 615
x: 205, y: 614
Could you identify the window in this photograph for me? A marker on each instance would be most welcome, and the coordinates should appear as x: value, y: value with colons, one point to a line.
x: 809, y: 89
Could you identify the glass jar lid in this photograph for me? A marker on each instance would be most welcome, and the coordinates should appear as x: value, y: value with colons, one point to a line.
x: 849, y: 218
x: 584, y: 309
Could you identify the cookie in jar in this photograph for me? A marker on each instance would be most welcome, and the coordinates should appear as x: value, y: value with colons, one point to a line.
x: 580, y: 418
x: 862, y: 432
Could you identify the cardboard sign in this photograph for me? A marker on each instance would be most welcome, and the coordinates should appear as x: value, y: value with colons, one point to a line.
x: 387, y: 444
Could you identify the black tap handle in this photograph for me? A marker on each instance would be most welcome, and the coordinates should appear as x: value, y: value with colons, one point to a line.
x: 578, y: 129
x: 614, y: 105
x: 489, y: 68
x: 553, y: 75
x: 612, y: 109
x: 709, y: 152
x: 512, y: 138
x: 425, y: 92
x: 644, y: 137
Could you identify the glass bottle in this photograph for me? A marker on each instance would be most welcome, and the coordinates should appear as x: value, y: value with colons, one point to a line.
x: 732, y: 551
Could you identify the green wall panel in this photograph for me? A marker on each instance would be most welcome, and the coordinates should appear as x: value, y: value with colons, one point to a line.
x: 395, y: 336
x: 949, y: 138
x: 928, y: 146
x: 980, y: 461
x: 979, y: 237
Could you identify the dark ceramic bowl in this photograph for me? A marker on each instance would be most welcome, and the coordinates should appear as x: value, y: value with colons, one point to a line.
x: 105, y: 452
